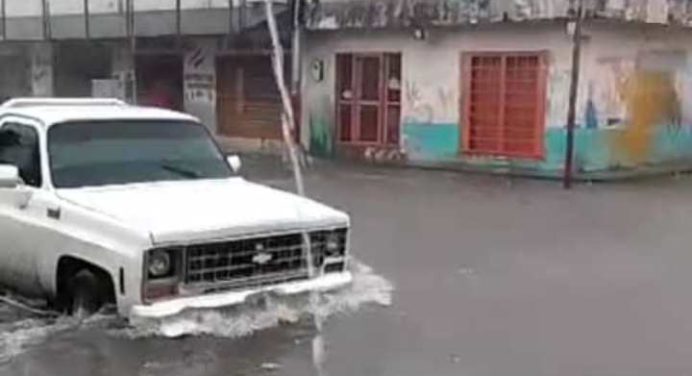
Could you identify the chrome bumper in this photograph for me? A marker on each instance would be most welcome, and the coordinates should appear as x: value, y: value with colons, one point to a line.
x: 172, y: 307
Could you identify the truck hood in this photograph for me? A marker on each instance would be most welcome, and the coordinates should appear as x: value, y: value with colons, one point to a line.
x: 191, y: 211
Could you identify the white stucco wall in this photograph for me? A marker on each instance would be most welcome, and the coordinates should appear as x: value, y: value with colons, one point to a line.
x: 431, y: 70
x: 633, y: 104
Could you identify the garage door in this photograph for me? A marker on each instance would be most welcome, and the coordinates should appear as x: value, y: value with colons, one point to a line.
x: 249, y: 104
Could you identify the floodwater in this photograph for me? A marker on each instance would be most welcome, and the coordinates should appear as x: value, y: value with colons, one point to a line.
x: 455, y: 275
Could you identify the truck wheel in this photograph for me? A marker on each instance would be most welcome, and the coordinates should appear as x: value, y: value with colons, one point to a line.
x: 85, y: 294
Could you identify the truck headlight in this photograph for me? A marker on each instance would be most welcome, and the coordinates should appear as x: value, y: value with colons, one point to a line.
x: 328, y: 245
x: 333, y: 244
x: 160, y: 264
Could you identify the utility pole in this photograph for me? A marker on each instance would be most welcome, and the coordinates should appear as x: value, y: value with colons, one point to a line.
x: 573, y: 90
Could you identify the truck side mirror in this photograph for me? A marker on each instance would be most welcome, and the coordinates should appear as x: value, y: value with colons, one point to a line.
x: 234, y: 162
x: 9, y: 176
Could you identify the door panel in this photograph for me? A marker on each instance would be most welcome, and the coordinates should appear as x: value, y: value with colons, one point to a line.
x: 368, y: 69
x: 20, y: 229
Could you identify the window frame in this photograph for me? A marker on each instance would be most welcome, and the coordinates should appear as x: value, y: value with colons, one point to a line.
x: 40, y: 138
x: 540, y: 100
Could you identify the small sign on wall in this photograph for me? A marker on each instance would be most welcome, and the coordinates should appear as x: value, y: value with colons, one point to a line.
x: 199, y: 87
x: 317, y: 70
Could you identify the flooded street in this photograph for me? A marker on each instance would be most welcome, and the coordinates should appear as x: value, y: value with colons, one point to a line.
x: 455, y: 275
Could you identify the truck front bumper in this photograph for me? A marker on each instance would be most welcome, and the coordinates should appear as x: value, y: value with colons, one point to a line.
x: 218, y: 300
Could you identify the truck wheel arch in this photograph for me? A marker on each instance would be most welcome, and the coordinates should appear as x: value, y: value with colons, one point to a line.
x: 69, y: 266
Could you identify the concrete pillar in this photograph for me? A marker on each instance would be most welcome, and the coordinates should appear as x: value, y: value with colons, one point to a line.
x: 199, y: 81
x: 124, y: 70
x: 14, y: 71
x: 41, y: 69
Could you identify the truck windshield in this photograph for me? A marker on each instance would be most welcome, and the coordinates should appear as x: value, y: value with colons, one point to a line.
x: 98, y: 153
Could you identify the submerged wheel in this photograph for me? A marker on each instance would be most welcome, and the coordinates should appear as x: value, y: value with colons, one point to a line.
x: 85, y: 294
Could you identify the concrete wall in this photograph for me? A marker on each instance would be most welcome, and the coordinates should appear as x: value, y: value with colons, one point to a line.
x: 430, y: 130
x: 108, y: 18
x: 41, y: 69
x: 636, y: 98
x: 636, y: 81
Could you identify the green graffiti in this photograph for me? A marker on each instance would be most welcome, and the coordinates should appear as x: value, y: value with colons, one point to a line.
x: 320, y: 138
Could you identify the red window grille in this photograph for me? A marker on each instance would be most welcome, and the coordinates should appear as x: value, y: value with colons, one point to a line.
x: 504, y: 104
x: 368, y: 92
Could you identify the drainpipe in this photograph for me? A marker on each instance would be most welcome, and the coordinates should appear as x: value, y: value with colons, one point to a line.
x: 573, y: 90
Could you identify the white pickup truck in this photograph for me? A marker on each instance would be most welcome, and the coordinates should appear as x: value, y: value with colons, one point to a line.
x: 102, y: 202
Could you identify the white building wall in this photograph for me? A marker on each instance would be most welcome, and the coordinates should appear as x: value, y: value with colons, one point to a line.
x: 199, y: 81
x: 617, y: 53
x: 632, y: 109
x: 431, y: 70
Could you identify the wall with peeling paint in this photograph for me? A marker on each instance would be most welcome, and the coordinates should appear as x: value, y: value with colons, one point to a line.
x: 634, y: 105
x: 430, y: 129
x: 639, y: 91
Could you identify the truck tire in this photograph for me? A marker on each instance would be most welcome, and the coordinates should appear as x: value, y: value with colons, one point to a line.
x: 85, y: 294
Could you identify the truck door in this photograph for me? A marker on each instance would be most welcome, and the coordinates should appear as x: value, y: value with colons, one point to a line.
x: 19, y: 230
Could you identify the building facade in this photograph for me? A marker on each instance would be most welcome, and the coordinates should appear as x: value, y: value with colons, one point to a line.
x: 206, y: 57
x: 485, y: 84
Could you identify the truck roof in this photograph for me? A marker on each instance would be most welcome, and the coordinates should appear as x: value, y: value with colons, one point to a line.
x: 52, y: 111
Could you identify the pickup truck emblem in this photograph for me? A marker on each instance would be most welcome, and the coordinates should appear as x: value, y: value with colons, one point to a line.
x: 262, y: 258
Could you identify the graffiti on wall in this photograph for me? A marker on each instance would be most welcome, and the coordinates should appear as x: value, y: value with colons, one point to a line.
x: 639, y: 96
x: 609, y: 87
x: 430, y: 130
x: 428, y: 105
x: 417, y: 108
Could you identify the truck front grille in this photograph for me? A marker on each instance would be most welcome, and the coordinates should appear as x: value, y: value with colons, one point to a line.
x: 246, y: 263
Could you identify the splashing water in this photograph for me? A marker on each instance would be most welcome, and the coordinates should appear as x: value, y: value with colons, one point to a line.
x: 367, y: 287
x: 19, y: 334
x: 16, y: 337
